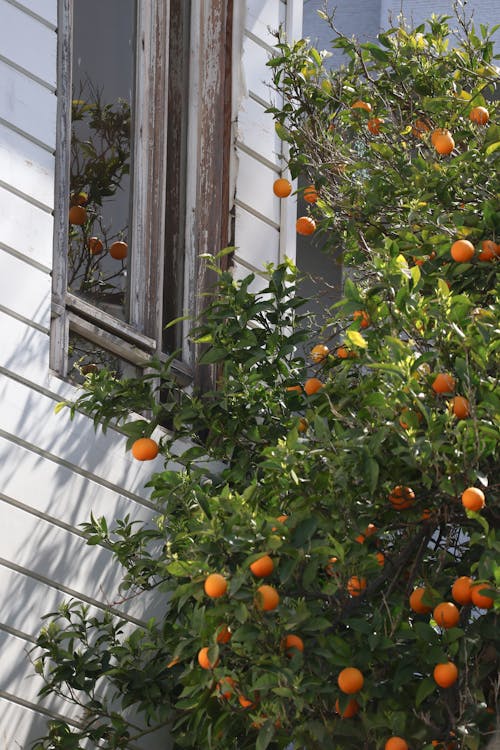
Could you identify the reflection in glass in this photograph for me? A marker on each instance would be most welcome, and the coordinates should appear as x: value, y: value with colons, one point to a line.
x: 100, y: 192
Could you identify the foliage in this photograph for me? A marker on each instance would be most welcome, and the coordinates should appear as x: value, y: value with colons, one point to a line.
x: 239, y: 457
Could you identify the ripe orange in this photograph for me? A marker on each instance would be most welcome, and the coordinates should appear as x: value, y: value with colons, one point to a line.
x: 365, y: 318
x: 380, y: 558
x: 224, y: 634
x: 479, y: 115
x: 95, y: 245
x: 416, y: 601
x: 483, y: 601
x: 396, y: 743
x: 401, y: 498
x: 77, y: 215
x: 473, y: 499
x: 342, y: 352
x: 462, y: 251
x: 461, y: 590
x: 442, y: 141
x: 356, y: 585
x: 292, y: 641
x: 262, y: 567
x: 369, y: 531
x: 446, y: 615
x: 305, y: 225
x: 215, y: 585
x: 312, y: 386
x: 350, y: 680
x: 282, y: 188
x: 281, y: 519
x: 445, y: 674
x: 310, y: 194
x: 226, y: 692
x: 246, y: 703
x: 460, y: 407
x: 359, y: 104
x: 489, y: 250
x: 443, y: 383
x: 350, y: 710
x: 319, y: 352
x: 303, y: 425
x: 420, y: 127
x: 204, y: 661
x: 374, y: 124
x: 118, y: 250
x: 267, y: 598
x: 145, y: 449
x: 426, y: 514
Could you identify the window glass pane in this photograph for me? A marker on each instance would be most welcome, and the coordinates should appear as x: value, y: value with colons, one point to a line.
x: 85, y: 357
x: 100, y: 185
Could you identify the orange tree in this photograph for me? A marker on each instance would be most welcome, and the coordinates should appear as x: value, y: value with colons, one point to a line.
x: 361, y: 480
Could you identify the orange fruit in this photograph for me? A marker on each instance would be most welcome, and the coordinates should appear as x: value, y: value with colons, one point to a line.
x: 95, y: 245
x: 280, y: 519
x: 246, y: 702
x: 443, y: 383
x: 461, y: 590
x: 488, y: 251
x: 369, y: 531
x: 479, y: 115
x: 445, y: 674
x: 416, y: 603
x: 409, y: 412
x: 359, y: 104
x: 419, y: 128
x: 292, y: 641
x: 145, y: 449
x: 310, y: 194
x: 401, y: 498
x: 226, y: 692
x: 262, y: 567
x: 426, y: 514
x: 282, y: 188
x: 118, y: 250
x: 312, y: 386
x: 303, y: 425
x: 305, y: 225
x: 363, y: 316
x: 319, y: 352
x: 342, y: 352
x: 442, y: 141
x: 483, y: 601
x: 77, y: 215
x: 224, y: 634
x: 350, y: 710
x: 356, y: 585
x: 215, y: 585
x: 297, y: 388
x: 350, y: 680
x: 460, y: 407
x: 374, y: 124
x: 473, y: 499
x: 267, y: 598
x: 396, y: 743
x: 446, y: 615
x: 380, y: 558
x: 462, y: 251
x: 204, y: 661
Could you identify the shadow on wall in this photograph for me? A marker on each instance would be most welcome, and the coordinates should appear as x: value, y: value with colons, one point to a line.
x: 55, y: 472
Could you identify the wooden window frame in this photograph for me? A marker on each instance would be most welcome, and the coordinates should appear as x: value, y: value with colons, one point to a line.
x: 204, y: 180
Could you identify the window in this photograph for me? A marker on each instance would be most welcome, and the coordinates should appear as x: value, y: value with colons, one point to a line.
x: 141, y: 173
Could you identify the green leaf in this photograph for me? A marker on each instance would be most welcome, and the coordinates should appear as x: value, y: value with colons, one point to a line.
x: 492, y: 148
x: 426, y: 687
x: 214, y: 354
x: 265, y: 736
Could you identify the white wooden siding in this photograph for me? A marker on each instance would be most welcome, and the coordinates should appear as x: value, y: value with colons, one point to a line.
x: 264, y: 225
x: 53, y: 472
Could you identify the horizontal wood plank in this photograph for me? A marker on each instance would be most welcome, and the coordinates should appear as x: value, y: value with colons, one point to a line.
x: 264, y: 18
x: 24, y: 290
x: 254, y: 187
x: 25, y: 228
x: 28, y: 43
x: 25, y: 166
x: 26, y: 104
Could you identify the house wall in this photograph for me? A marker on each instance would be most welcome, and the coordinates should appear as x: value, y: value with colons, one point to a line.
x: 54, y: 472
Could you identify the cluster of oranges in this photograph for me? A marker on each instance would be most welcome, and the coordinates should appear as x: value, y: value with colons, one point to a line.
x: 78, y: 216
